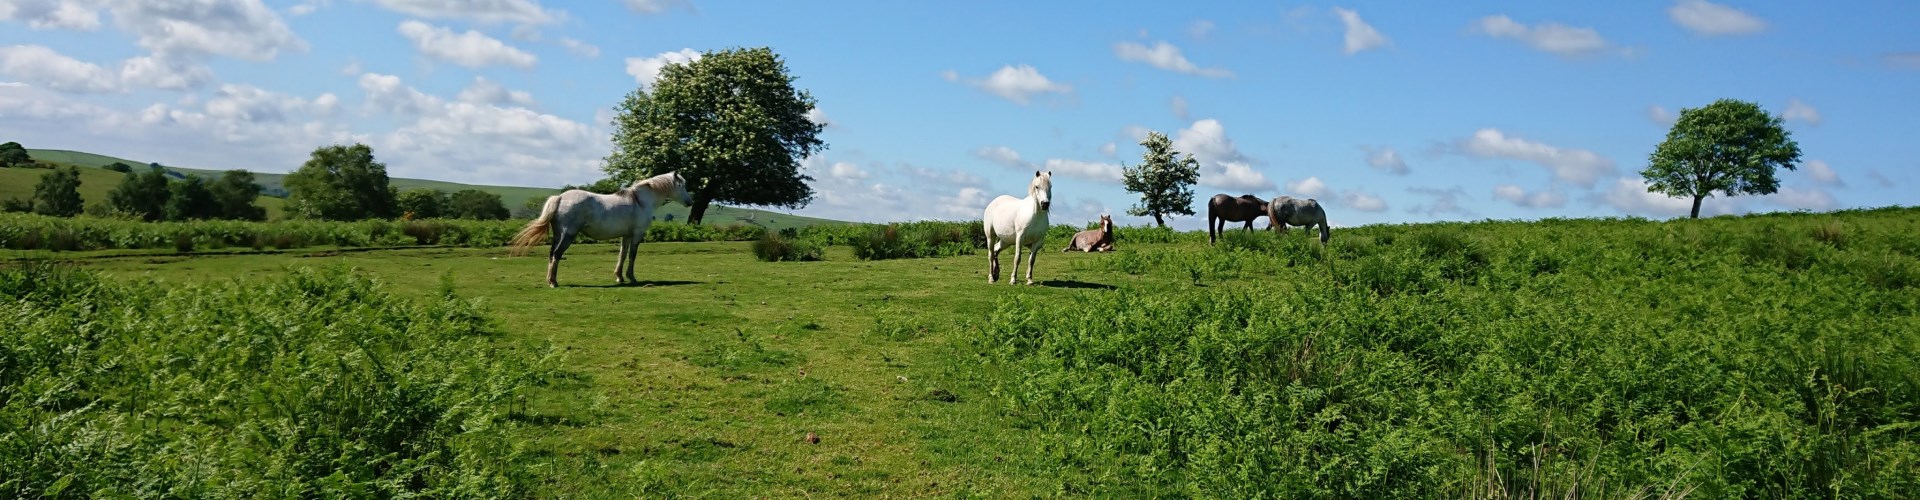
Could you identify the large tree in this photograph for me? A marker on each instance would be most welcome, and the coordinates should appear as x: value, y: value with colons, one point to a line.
x: 191, y: 200
x: 143, y: 194
x: 58, y: 193
x: 1164, y: 180
x: 1730, y: 146
x: 422, y: 203
x: 235, y: 192
x: 12, y: 154
x: 340, y: 183
x: 476, y: 204
x: 731, y: 122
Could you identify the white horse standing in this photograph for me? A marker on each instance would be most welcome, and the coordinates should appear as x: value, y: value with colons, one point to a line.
x: 1289, y: 211
x: 1020, y: 221
x: 625, y: 214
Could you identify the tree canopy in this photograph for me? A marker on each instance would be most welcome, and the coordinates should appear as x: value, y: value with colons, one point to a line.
x: 235, y: 192
x: 12, y: 154
x: 476, y: 204
x: 190, y: 199
x: 731, y: 122
x: 58, y: 193
x: 143, y: 194
x: 340, y: 183
x: 1163, y: 179
x: 1731, y: 146
x: 422, y: 203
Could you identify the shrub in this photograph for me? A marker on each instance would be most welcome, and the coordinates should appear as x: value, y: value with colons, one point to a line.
x: 773, y: 247
x: 919, y: 239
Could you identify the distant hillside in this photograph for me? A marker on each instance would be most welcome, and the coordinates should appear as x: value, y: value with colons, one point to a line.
x: 515, y: 197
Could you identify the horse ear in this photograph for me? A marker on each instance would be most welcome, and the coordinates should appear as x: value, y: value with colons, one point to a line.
x: 1036, y: 173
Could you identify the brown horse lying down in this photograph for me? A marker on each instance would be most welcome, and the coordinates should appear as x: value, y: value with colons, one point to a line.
x: 1094, y: 240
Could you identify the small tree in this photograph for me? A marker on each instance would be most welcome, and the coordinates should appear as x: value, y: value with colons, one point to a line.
x: 143, y: 194
x: 340, y: 183
x: 423, y: 203
x: 58, y: 193
x: 476, y: 204
x: 1163, y: 180
x: 731, y: 122
x: 12, y: 154
x: 190, y: 199
x: 1730, y: 146
x: 235, y: 192
x: 119, y: 167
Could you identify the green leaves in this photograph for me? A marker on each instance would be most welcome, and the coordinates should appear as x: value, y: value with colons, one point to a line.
x: 58, y: 193
x: 1163, y: 180
x: 732, y: 122
x: 340, y: 183
x: 1731, y: 147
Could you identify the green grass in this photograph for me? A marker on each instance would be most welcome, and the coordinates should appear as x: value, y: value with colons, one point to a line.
x: 95, y: 183
x: 1769, y: 355
x: 513, y: 196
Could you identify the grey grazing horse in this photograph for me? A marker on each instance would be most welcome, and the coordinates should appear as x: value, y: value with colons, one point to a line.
x: 1286, y: 211
x: 625, y: 214
x: 1223, y: 209
x: 1093, y: 240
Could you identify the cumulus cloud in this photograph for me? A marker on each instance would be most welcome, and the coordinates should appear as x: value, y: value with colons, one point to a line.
x: 1577, y: 166
x: 471, y: 49
x: 1200, y: 28
x: 1547, y: 37
x: 1538, y: 199
x: 1310, y: 187
x: 1630, y: 195
x: 482, y: 142
x: 579, y: 48
x: 1659, y: 115
x: 244, y: 29
x: 1361, y: 37
x: 53, y: 14
x: 1820, y: 172
x: 37, y: 65
x: 845, y: 191
x: 1003, y: 156
x: 1014, y: 83
x: 1801, y: 199
x: 387, y: 94
x: 1712, y: 19
x: 646, y: 70
x: 1385, y: 159
x: 657, y: 6
x: 484, y: 91
x: 1800, y: 111
x: 1110, y: 149
x: 1165, y: 56
x: 817, y: 116
x: 1441, y: 202
x: 482, y: 11
x: 1362, y: 201
x: 1222, y: 165
x: 1093, y: 171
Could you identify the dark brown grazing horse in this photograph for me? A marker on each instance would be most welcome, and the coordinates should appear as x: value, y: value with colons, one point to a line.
x: 1094, y: 240
x: 1223, y: 209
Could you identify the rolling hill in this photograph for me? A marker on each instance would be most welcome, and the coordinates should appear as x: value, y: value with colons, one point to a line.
x: 95, y: 183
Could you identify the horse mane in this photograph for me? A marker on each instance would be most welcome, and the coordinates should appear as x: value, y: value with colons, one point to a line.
x: 660, y: 185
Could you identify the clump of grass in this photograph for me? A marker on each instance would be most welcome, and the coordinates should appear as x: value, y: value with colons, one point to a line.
x: 1832, y: 233
x: 920, y: 239
x: 777, y: 247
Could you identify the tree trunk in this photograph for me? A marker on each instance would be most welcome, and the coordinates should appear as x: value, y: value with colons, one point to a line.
x: 1157, y: 220
x: 1696, y: 205
x: 698, y: 210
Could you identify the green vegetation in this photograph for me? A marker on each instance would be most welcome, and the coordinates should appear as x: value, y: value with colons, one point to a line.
x: 1731, y: 146
x: 776, y: 247
x: 12, y: 155
x: 341, y: 183
x: 96, y: 184
x: 915, y: 240
x: 1163, y: 179
x: 320, y: 384
x: 58, y: 193
x: 35, y: 232
x: 1760, y: 356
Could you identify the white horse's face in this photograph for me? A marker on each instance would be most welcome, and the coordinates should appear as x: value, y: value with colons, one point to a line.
x: 680, y: 190
x: 1041, y: 189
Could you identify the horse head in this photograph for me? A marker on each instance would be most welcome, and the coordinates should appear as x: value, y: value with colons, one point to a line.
x: 680, y: 189
x: 1106, y: 224
x: 1041, y: 189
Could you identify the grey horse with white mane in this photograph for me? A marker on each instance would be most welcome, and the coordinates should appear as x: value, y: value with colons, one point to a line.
x: 625, y: 214
x: 1285, y: 211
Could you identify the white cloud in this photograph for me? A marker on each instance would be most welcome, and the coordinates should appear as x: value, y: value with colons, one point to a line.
x: 657, y: 6
x: 1179, y: 105
x: 1538, y: 199
x: 1712, y: 19
x: 1015, y: 83
x: 1003, y: 156
x: 244, y: 29
x: 307, y: 7
x: 482, y: 11
x: 1222, y: 165
x: 41, y: 66
x: 1549, y: 37
x: 1362, y: 201
x: 1165, y: 56
x: 1386, y: 160
x: 1361, y: 37
x: 579, y: 48
x: 164, y: 73
x: 1093, y: 171
x: 1200, y: 28
x: 1310, y: 187
x: 1659, y: 115
x: 1577, y: 166
x: 471, y: 49
x: 845, y: 170
x: 1820, y: 172
x: 78, y: 15
x: 646, y: 70
x: 1800, y: 111
x: 386, y: 93
x: 484, y: 91
x: 1629, y: 195
x: 1109, y: 149
x: 1801, y: 199
x: 1444, y: 202
x: 817, y: 116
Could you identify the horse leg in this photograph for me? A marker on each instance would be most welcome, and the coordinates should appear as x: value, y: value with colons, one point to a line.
x: 632, y: 253
x: 1211, y: 232
x: 993, y: 262
x: 620, y: 263
x: 1015, y: 276
x: 1033, y: 254
x: 553, y: 258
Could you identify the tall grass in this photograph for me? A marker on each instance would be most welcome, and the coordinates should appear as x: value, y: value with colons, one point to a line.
x: 317, y: 384
x: 36, y: 232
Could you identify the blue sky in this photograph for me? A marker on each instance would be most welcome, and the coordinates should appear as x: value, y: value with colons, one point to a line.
x: 1386, y: 112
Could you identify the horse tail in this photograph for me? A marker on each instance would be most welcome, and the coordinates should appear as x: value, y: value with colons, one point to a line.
x: 536, y: 230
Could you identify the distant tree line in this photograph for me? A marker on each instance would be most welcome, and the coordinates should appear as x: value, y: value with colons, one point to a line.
x: 345, y: 182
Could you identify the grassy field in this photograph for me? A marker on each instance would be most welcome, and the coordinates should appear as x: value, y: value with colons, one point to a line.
x: 1774, y: 355
x: 513, y: 196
